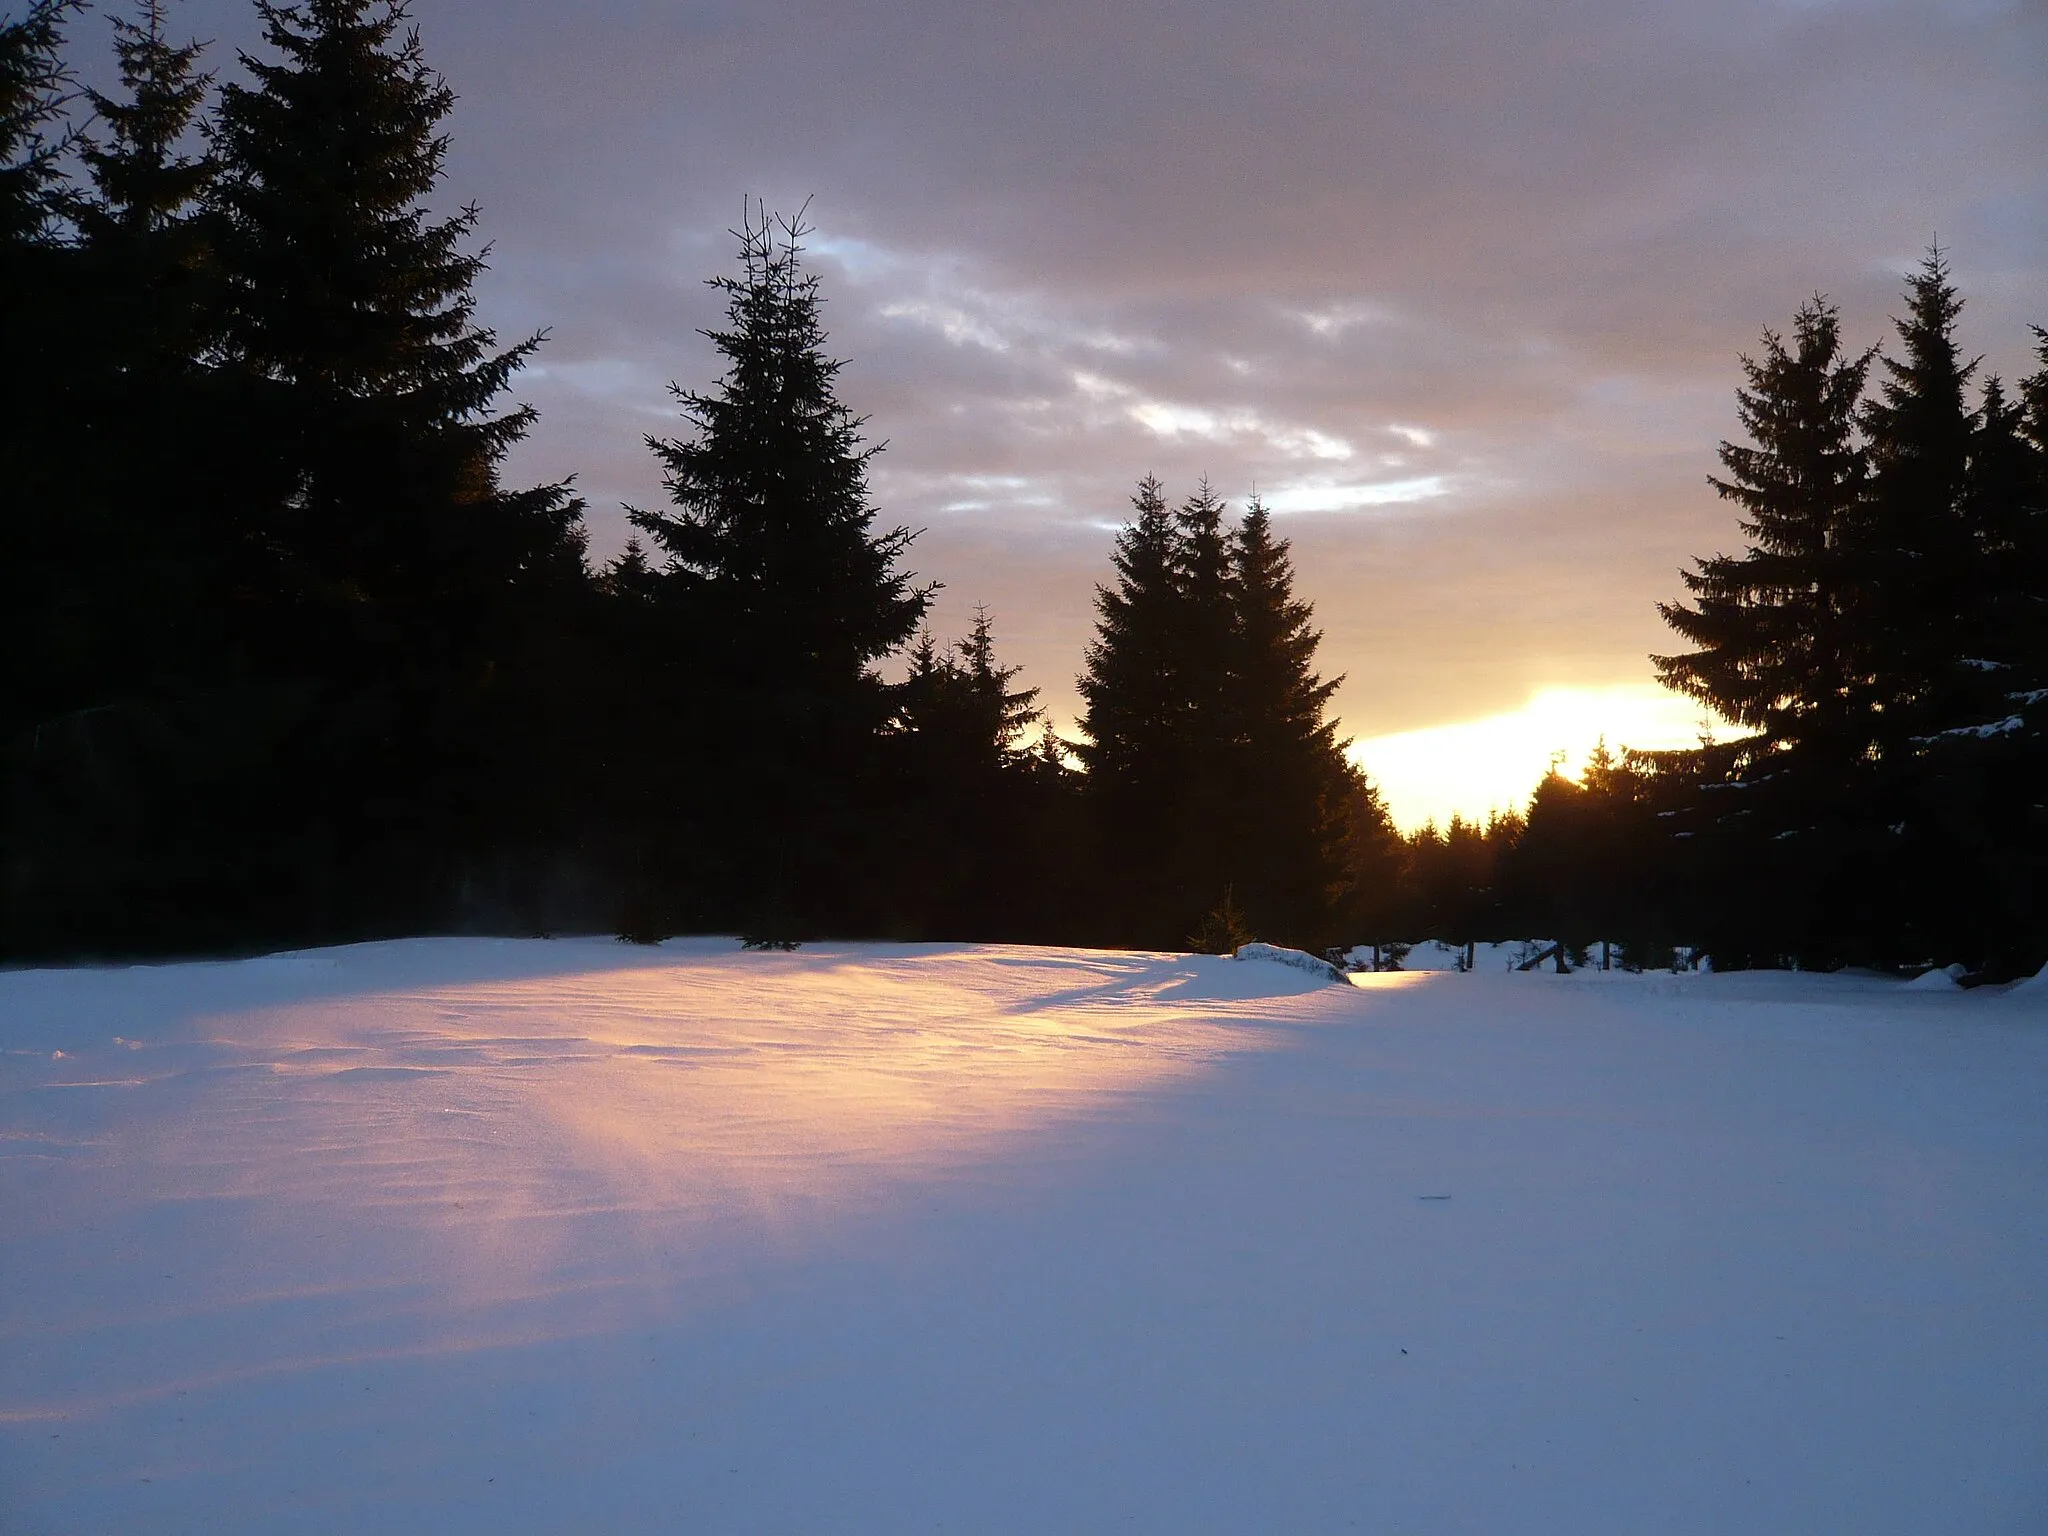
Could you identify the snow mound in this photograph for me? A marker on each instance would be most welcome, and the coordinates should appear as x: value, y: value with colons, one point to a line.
x: 1300, y: 959
x: 1940, y: 979
x: 2034, y: 988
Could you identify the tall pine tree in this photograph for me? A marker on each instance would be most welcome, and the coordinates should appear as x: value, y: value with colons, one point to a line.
x: 1291, y: 789
x: 147, y: 411
x: 2027, y: 465
x: 1919, y: 559
x: 1777, y: 647
x: 787, y: 594
x: 1133, y: 690
x: 403, y: 586
x: 38, y: 305
x: 1784, y: 648
x: 349, y: 308
x: 46, y: 594
x: 35, y: 87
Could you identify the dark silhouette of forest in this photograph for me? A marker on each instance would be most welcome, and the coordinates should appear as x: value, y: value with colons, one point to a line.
x: 285, y: 660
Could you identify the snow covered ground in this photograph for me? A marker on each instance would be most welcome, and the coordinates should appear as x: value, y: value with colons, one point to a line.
x: 518, y: 1237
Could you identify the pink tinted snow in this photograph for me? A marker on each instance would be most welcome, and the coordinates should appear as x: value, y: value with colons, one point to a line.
x: 453, y: 1236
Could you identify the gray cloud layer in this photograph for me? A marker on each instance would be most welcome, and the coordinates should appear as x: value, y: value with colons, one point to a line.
x: 1459, y: 285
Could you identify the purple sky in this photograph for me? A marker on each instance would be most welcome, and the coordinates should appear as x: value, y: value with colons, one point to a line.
x: 1459, y: 286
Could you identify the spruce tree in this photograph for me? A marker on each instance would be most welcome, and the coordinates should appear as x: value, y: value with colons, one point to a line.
x: 1777, y: 645
x: 2027, y: 466
x: 1203, y: 859
x: 35, y: 87
x: 45, y: 590
x: 2006, y: 511
x: 1291, y: 790
x: 1131, y: 682
x: 1370, y: 905
x: 38, y: 305
x: 1002, y: 713
x: 1204, y: 641
x: 785, y: 589
x: 1970, y: 844
x: 404, y: 590
x: 1919, y: 558
x: 146, y: 406
x: 1134, y: 690
x: 772, y: 528
x: 966, y: 790
x: 1785, y: 647
x: 349, y: 308
x: 142, y: 226
x: 146, y: 180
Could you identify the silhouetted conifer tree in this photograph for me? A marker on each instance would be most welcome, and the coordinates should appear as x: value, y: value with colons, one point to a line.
x: 1374, y: 853
x: 1921, y: 574
x: 1291, y: 791
x: 147, y: 182
x: 1134, y: 692
x: 405, y: 590
x: 1879, y: 641
x: 1204, y: 639
x: 1002, y: 714
x: 349, y: 308
x: 1785, y: 649
x: 1579, y: 870
x: 2023, y: 469
x: 2004, y: 510
x: 38, y: 308
x: 46, y: 553
x: 786, y: 590
x: 970, y: 793
x: 1777, y: 647
x: 35, y: 86
x: 1449, y: 885
x: 1209, y: 760
x: 152, y: 462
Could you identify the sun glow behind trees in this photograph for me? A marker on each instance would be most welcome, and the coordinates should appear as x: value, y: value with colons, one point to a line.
x: 1473, y: 767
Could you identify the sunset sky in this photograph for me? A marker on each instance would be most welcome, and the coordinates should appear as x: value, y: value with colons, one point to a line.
x: 1459, y: 287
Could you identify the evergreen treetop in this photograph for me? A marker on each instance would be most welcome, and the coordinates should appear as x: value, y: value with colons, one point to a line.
x: 1775, y: 640
x: 144, y: 180
x: 772, y: 526
x: 1205, y: 629
x: 1130, y: 685
x: 1280, y: 698
x: 1004, y: 713
x: 1209, y: 757
x: 1292, y: 798
x: 1919, y: 559
x: 2004, y: 640
x: 349, y: 309
x: 962, y: 707
x: 35, y: 87
x: 143, y: 226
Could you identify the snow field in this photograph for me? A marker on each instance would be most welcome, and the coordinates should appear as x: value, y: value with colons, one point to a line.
x: 466, y: 1236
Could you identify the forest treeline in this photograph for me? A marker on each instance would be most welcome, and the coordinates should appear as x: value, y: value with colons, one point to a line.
x: 285, y: 660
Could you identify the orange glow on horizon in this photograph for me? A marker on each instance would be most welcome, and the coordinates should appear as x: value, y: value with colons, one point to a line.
x: 1472, y: 768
